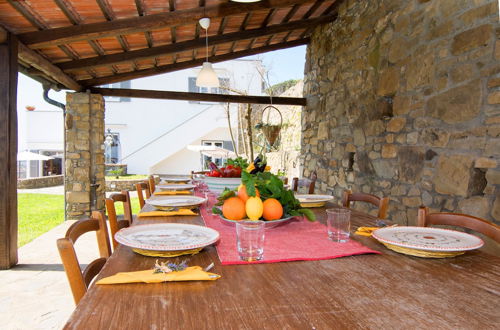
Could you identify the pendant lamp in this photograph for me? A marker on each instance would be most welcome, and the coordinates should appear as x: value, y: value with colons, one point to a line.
x: 207, y: 76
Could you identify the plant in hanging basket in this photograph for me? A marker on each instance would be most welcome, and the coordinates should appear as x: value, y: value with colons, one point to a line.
x: 271, y: 132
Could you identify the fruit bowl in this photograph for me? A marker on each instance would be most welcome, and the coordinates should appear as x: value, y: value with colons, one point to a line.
x: 217, y: 185
x: 269, y: 224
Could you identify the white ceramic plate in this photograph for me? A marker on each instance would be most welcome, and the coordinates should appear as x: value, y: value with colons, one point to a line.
x: 167, y: 236
x: 175, y: 186
x: 175, y: 201
x: 313, y: 198
x: 178, y: 179
x: 428, y: 239
x: 269, y: 224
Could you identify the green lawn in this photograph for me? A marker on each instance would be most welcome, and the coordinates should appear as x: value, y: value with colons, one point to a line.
x: 39, y: 213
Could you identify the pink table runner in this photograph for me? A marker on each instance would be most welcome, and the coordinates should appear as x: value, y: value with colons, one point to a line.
x: 298, y: 239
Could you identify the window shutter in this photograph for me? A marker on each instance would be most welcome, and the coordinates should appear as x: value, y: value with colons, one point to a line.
x: 192, y: 88
x: 125, y: 84
x: 227, y: 145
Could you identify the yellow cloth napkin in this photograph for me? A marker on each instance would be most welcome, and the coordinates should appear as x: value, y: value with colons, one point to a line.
x: 194, y: 273
x: 166, y: 213
x: 366, y: 231
x: 176, y: 192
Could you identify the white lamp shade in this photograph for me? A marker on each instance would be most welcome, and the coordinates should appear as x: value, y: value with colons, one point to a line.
x: 204, y: 22
x: 207, y: 76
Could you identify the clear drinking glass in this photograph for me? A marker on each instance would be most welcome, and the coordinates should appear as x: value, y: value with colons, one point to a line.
x: 250, y: 239
x: 339, y: 224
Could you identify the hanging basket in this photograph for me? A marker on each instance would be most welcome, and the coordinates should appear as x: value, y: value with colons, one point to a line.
x: 271, y: 132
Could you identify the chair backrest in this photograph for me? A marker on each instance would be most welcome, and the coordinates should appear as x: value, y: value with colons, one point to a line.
x: 309, y: 184
x: 479, y: 225
x: 142, y: 188
x: 79, y: 281
x: 193, y: 173
x: 152, y: 184
x: 114, y: 224
x: 381, y: 203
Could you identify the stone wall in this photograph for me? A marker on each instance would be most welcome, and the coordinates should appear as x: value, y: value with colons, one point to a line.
x: 40, y: 182
x: 84, y: 159
x: 403, y: 101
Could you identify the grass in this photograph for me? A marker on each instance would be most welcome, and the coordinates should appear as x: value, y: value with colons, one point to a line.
x: 39, y: 213
x: 126, y: 177
x: 135, y: 206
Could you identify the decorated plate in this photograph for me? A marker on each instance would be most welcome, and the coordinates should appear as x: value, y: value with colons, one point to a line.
x: 173, y: 179
x: 175, y: 201
x: 176, y: 186
x: 167, y: 236
x: 269, y: 224
x: 428, y: 239
x: 313, y: 200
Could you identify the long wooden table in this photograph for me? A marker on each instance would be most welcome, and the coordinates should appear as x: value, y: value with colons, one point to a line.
x: 389, y: 290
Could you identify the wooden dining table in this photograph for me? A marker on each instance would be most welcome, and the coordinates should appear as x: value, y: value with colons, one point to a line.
x: 370, y: 291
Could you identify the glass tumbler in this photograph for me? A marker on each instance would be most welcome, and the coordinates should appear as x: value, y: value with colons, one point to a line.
x: 250, y: 239
x: 339, y: 224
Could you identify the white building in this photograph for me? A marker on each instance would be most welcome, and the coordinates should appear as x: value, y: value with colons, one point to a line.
x: 153, y: 134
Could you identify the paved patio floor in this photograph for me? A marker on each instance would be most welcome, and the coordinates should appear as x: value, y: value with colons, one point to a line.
x: 35, y: 294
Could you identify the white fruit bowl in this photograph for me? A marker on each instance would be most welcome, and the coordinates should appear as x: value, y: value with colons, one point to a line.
x: 217, y: 185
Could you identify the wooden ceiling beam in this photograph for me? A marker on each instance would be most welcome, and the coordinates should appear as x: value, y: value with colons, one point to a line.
x: 192, y: 44
x: 42, y: 64
x: 202, y: 97
x: 64, y: 35
x: 188, y: 64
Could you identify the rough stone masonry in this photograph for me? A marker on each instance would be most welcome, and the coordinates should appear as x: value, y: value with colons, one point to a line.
x: 411, y: 90
x: 84, y: 157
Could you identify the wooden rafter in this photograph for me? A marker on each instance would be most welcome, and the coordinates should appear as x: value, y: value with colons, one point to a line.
x: 118, y: 27
x: 202, y: 97
x: 42, y: 64
x: 192, y: 44
x: 188, y: 64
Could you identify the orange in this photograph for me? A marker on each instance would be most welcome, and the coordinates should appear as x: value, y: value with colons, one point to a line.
x: 233, y: 209
x: 272, y: 209
x: 254, y: 208
x: 242, y: 192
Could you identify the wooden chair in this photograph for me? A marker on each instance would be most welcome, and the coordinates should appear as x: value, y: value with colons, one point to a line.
x: 152, y: 184
x: 460, y: 220
x: 80, y: 281
x: 309, y: 184
x: 381, y: 203
x: 142, y: 188
x: 114, y: 223
x: 193, y: 173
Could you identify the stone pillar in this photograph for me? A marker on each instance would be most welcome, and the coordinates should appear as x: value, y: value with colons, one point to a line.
x: 84, y: 157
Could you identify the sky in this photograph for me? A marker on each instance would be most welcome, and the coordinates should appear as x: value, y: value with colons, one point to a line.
x: 281, y: 65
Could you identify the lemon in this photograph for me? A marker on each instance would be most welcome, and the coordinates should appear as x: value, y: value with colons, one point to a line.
x: 254, y: 208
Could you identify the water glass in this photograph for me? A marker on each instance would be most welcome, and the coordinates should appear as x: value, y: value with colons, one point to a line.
x: 339, y: 224
x: 250, y: 239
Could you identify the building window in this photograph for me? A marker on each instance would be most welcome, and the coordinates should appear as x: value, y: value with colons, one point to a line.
x: 123, y: 84
x: 208, y: 159
x: 192, y: 88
